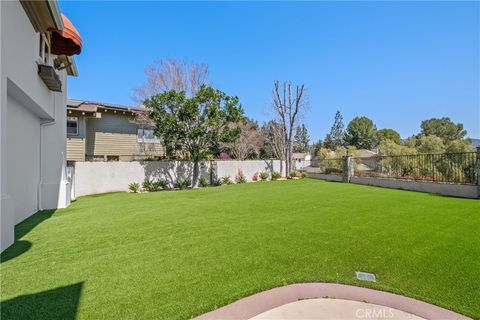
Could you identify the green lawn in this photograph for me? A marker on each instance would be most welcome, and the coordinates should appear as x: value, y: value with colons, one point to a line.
x: 180, y: 254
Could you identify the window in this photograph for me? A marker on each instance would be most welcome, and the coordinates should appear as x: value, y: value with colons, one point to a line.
x: 44, y: 49
x: 147, y: 136
x: 72, y: 126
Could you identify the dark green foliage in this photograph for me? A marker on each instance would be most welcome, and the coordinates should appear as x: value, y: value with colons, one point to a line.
x: 203, y: 182
x: 276, y: 175
x: 328, y: 142
x: 361, y: 133
x: 263, y: 176
x: 388, y: 134
x: 195, y: 126
x: 443, y: 128
x: 337, y: 133
x: 183, y: 184
x: 301, y: 139
x: 226, y: 180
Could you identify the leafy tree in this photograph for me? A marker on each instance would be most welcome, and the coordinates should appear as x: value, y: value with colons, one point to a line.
x: 192, y: 126
x: 444, y: 128
x: 388, y: 134
x: 430, y: 144
x: 302, y: 139
x: 457, y: 146
x: 361, y: 133
x: 390, y: 148
x: 410, y: 142
x: 336, y: 132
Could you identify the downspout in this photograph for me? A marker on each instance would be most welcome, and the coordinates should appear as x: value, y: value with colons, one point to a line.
x: 42, y: 126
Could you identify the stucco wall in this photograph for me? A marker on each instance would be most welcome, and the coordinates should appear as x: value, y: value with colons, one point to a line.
x: 99, y: 177
x: 249, y: 167
x: 29, y: 150
x: 449, y: 189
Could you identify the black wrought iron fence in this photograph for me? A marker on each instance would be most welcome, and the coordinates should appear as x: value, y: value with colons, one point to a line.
x: 445, y: 167
x: 327, y: 166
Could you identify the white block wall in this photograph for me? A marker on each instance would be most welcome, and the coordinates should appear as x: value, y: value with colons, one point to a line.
x: 100, y: 177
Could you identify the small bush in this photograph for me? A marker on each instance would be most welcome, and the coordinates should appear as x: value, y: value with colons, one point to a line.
x: 134, y: 187
x: 203, y: 182
x: 264, y: 176
x: 147, y: 184
x: 276, y: 175
x: 240, y: 178
x: 255, y: 176
x: 182, y: 184
x: 226, y: 180
x: 163, y: 184
x: 304, y: 174
x: 293, y: 174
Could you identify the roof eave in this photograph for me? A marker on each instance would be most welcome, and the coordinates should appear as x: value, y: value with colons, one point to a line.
x: 43, y: 15
x: 72, y: 68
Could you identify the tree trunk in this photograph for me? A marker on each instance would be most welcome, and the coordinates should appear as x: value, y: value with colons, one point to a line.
x: 195, y: 174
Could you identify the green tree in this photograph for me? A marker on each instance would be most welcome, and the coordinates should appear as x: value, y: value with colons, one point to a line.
x: 444, y: 128
x: 430, y: 144
x: 390, y: 148
x: 361, y: 133
x: 457, y: 146
x: 193, y: 126
x: 317, y: 146
x: 337, y: 131
x: 328, y: 142
x: 302, y: 139
x: 388, y: 134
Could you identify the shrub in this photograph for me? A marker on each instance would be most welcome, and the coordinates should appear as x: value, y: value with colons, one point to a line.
x: 293, y: 174
x: 304, y: 174
x: 163, y: 183
x: 155, y: 186
x: 276, y: 175
x: 255, y: 176
x: 203, y: 182
x: 226, y: 180
x: 264, y: 176
x: 240, y: 178
x: 147, y: 184
x: 183, y: 184
x: 134, y: 187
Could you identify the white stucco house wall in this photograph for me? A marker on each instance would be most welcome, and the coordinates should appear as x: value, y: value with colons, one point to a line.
x: 35, y: 51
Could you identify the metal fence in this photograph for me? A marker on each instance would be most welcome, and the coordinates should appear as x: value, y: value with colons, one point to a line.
x: 446, y: 167
x: 327, y: 166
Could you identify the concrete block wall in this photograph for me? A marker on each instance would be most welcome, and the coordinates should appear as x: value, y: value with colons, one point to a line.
x: 100, y: 177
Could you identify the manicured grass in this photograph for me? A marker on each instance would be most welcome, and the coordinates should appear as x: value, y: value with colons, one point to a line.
x: 180, y: 254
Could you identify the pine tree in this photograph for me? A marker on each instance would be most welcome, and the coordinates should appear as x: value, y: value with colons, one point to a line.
x: 302, y: 140
x: 337, y: 133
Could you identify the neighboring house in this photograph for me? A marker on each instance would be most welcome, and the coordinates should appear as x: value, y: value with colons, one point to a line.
x: 37, y: 43
x: 99, y: 131
x: 301, y: 159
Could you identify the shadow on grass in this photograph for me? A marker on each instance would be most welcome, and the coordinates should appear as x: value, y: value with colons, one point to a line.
x: 59, y: 303
x: 21, y: 229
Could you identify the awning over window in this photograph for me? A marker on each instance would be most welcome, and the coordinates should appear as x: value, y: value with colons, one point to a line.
x: 67, y: 41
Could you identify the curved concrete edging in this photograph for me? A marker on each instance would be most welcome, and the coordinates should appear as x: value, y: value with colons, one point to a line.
x: 258, y: 303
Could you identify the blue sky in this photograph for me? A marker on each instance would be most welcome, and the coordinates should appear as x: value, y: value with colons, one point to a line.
x: 395, y: 62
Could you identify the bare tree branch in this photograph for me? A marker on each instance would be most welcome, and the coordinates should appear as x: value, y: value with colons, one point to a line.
x: 288, y: 110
